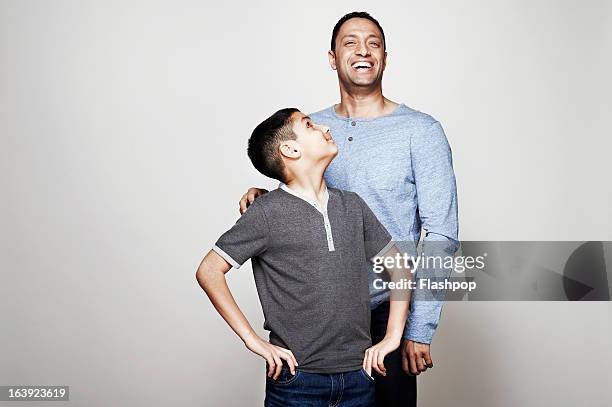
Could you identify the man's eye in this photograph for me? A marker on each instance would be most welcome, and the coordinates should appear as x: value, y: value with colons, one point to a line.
x: 349, y: 43
x: 374, y: 44
x: 308, y: 124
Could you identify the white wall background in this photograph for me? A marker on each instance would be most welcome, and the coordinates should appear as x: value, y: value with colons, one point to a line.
x: 124, y: 128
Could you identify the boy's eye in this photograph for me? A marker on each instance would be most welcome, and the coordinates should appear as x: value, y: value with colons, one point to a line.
x: 308, y: 124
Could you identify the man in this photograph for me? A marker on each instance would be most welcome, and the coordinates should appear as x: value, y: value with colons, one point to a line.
x: 399, y: 161
x: 309, y: 247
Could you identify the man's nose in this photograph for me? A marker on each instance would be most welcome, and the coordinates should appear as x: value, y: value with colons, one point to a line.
x: 362, y: 49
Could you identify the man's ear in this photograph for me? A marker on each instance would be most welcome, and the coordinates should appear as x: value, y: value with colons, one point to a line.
x: 290, y: 149
x: 331, y: 55
x: 385, y: 61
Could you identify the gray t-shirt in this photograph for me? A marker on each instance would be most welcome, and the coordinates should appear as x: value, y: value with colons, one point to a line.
x: 310, y: 267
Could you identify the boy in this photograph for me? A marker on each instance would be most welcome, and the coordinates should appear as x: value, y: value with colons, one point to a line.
x: 309, y: 247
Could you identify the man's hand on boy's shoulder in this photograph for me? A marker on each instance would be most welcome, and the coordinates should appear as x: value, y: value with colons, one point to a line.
x: 273, y: 354
x: 250, y: 196
x: 416, y: 357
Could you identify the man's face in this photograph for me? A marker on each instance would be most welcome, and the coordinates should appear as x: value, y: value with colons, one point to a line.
x: 314, y: 141
x: 359, y: 58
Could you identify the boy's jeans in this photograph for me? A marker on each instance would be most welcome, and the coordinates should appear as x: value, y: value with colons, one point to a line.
x: 348, y: 389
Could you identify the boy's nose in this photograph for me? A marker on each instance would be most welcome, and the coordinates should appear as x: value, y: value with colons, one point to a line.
x: 327, y: 134
x: 323, y: 128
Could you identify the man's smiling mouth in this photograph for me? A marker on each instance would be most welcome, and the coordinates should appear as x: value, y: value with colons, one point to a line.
x: 362, y: 66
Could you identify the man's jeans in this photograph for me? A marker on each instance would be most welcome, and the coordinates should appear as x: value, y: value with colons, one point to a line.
x: 348, y: 389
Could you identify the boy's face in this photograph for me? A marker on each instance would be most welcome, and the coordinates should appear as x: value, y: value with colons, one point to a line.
x: 314, y: 142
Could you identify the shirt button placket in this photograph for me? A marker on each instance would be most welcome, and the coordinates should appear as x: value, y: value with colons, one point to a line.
x: 327, y: 230
x: 348, y: 147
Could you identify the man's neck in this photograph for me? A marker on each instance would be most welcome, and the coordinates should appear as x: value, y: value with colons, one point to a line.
x: 364, y: 103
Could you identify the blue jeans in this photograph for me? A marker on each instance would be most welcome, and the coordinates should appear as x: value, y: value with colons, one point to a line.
x: 348, y: 389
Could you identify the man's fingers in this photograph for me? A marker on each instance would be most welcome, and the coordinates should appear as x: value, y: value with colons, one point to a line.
x: 419, y: 362
x: 405, y: 367
x: 428, y: 360
x: 251, y: 197
x: 413, y: 364
x: 420, y: 355
x: 243, y: 203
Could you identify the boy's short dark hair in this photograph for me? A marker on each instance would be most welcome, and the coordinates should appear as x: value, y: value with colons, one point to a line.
x: 356, y: 14
x: 265, y: 141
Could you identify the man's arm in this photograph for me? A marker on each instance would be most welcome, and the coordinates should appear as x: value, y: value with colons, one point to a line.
x: 211, y: 277
x: 437, y: 207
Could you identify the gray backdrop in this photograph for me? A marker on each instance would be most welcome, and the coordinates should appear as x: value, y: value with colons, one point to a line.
x: 124, y: 127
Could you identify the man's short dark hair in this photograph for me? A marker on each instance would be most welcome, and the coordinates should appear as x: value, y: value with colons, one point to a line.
x: 355, y: 14
x: 265, y: 141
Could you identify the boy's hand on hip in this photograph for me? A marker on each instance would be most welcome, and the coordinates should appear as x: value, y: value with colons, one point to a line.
x: 273, y: 354
x: 250, y: 196
x: 416, y: 357
x: 375, y: 356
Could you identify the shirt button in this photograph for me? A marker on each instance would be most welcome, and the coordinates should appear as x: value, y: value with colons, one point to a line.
x: 353, y: 124
x: 350, y: 139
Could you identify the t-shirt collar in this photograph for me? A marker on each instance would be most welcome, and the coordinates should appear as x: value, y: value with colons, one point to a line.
x: 311, y: 201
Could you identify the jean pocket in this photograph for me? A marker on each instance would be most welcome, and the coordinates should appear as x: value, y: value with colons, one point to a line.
x: 285, y: 377
x: 366, y: 375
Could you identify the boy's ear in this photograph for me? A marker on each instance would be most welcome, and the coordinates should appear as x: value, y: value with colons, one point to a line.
x: 290, y: 149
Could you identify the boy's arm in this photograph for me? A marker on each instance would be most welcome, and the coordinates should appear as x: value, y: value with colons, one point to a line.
x: 379, y: 243
x: 398, y: 311
x: 211, y: 277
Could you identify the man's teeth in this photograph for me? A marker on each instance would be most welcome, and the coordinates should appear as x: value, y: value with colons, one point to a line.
x: 358, y: 65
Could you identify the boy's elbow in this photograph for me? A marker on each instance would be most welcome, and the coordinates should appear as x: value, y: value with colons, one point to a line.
x: 201, y: 276
x: 204, y: 271
x: 211, y: 267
